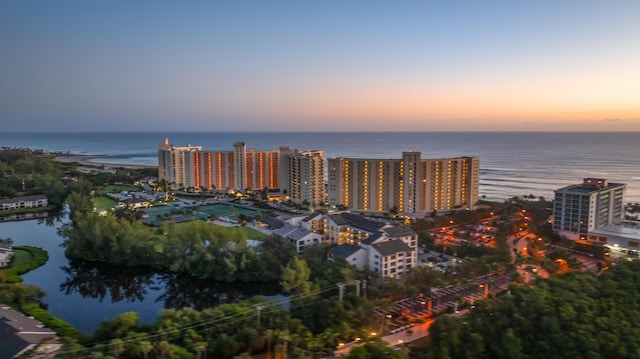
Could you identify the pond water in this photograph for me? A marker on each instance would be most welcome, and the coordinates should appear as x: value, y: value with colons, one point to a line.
x: 85, y: 293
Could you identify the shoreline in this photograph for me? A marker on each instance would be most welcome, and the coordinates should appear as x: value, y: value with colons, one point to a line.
x: 88, y: 160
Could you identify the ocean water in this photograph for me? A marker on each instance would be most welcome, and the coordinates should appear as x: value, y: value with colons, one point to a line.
x: 511, y: 163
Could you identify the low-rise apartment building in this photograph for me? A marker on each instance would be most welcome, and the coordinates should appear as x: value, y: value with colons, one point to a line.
x: 38, y: 200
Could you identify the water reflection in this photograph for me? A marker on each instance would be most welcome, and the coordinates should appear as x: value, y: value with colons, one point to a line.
x: 97, y: 280
x: 115, y: 284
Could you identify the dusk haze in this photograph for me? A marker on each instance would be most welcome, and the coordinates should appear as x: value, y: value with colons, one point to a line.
x: 320, y: 66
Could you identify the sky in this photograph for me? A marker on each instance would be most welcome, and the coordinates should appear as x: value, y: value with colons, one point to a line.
x: 330, y: 65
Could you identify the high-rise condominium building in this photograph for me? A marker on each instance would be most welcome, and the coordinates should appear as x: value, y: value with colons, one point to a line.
x: 581, y: 208
x: 239, y: 169
x: 174, y: 164
x: 409, y: 185
x: 299, y: 174
x: 302, y: 176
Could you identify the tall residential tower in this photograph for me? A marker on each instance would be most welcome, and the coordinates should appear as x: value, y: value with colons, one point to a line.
x: 409, y: 185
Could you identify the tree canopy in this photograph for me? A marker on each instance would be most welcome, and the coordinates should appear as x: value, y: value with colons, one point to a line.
x: 576, y: 315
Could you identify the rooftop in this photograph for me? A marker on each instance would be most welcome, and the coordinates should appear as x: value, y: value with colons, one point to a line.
x: 391, y: 247
x: 590, y: 185
x: 399, y: 231
x: 356, y: 221
x: 18, y: 332
x: 36, y: 197
x: 273, y: 222
x: 630, y: 230
x: 344, y: 250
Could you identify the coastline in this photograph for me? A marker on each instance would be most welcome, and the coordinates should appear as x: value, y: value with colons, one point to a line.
x: 90, y: 161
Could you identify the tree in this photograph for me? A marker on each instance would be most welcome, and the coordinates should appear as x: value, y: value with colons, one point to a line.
x: 295, y: 276
x: 144, y: 347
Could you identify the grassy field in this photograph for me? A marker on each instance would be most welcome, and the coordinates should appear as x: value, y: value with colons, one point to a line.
x: 117, y: 188
x: 21, y: 256
x: 26, y: 258
x: 250, y: 233
x: 227, y: 210
x: 103, y: 202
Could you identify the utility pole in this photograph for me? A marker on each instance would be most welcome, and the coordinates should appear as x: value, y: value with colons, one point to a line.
x: 357, y: 287
x: 259, y: 308
x: 341, y: 290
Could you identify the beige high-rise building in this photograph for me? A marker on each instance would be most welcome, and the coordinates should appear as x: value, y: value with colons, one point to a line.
x: 409, y: 185
x: 262, y: 169
x: 302, y: 176
x: 175, y: 164
x: 216, y: 170
x: 237, y: 170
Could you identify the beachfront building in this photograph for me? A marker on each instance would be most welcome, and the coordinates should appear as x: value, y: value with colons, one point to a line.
x: 38, y: 200
x: 175, y: 165
x: 409, y: 185
x: 299, y: 175
x: 237, y: 170
x: 302, y: 176
x: 586, y: 207
x: 593, y: 212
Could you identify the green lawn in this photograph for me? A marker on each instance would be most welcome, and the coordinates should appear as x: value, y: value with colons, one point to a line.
x: 250, y: 233
x: 21, y: 257
x: 103, y: 202
x: 117, y: 188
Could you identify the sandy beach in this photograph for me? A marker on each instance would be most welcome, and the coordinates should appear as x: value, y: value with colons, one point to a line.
x: 90, y: 161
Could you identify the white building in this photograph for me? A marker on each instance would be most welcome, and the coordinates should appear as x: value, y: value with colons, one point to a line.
x: 175, y: 164
x: 6, y: 254
x: 581, y: 209
x: 388, y: 250
x: 391, y: 258
x: 38, y: 200
x: 300, y: 238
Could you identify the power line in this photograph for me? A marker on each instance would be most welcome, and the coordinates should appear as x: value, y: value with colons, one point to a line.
x: 244, y: 314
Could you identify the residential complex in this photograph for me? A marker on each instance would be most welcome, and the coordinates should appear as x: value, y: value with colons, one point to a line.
x: 386, y: 249
x: 389, y: 250
x: 409, y: 185
x: 298, y: 174
x: 583, y: 208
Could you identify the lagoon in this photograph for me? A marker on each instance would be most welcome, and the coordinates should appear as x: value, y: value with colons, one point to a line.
x: 85, y: 293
